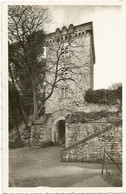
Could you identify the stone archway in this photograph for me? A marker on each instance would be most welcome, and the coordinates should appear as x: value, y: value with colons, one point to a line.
x: 58, y: 131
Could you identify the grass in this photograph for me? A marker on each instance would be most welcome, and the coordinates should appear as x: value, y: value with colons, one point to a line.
x: 30, y: 167
x: 64, y: 181
x: 87, y: 180
x: 114, y: 178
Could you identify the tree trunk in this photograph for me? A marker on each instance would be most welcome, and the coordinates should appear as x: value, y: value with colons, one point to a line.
x: 35, y: 102
x: 23, y: 114
x: 18, y: 133
x: 18, y: 99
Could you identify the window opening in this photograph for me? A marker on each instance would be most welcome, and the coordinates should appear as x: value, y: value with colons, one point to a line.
x: 64, y: 92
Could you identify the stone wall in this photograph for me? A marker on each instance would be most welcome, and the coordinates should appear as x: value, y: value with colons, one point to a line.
x: 91, y: 107
x: 37, y: 135
x: 40, y: 134
x: 43, y: 129
x: 81, y: 125
x: 79, y: 58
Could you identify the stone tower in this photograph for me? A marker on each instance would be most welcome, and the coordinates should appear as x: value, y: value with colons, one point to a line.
x: 70, y: 62
x: 73, y: 49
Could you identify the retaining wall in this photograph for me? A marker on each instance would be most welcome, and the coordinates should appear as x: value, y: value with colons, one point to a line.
x: 81, y: 125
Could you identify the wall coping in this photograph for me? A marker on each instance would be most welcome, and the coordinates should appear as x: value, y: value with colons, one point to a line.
x: 102, y: 116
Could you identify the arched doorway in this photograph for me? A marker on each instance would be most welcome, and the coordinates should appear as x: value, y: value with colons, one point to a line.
x: 61, y: 132
x: 58, y: 131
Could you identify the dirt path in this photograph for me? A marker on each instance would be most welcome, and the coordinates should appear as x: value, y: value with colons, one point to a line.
x: 42, y: 167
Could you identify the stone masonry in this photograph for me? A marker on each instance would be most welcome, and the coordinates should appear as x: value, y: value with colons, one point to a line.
x: 75, y: 48
x: 82, y: 125
x: 70, y: 59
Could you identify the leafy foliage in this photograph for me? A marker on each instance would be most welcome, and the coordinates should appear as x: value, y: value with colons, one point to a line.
x: 47, y: 144
x: 13, y: 107
x: 104, y: 96
x: 16, y: 144
x: 91, y: 116
x: 26, y: 61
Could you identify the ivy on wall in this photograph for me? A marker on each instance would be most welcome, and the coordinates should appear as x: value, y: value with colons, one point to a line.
x: 92, y: 116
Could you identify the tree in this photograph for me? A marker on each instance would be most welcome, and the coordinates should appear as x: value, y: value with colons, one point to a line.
x: 26, y: 44
x: 117, y: 91
x: 26, y: 62
x: 67, y: 63
x: 115, y: 86
x: 110, y: 96
x: 24, y: 20
x: 60, y: 70
x: 27, y: 70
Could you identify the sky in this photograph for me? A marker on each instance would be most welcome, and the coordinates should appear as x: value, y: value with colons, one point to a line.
x: 108, y: 68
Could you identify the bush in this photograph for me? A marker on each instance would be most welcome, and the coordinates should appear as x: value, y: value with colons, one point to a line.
x: 47, y: 144
x: 16, y: 144
x: 115, y: 179
x: 104, y: 96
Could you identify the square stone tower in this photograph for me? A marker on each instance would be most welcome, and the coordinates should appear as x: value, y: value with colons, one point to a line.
x: 70, y: 62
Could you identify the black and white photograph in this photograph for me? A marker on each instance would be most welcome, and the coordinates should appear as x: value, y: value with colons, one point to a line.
x: 64, y: 89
